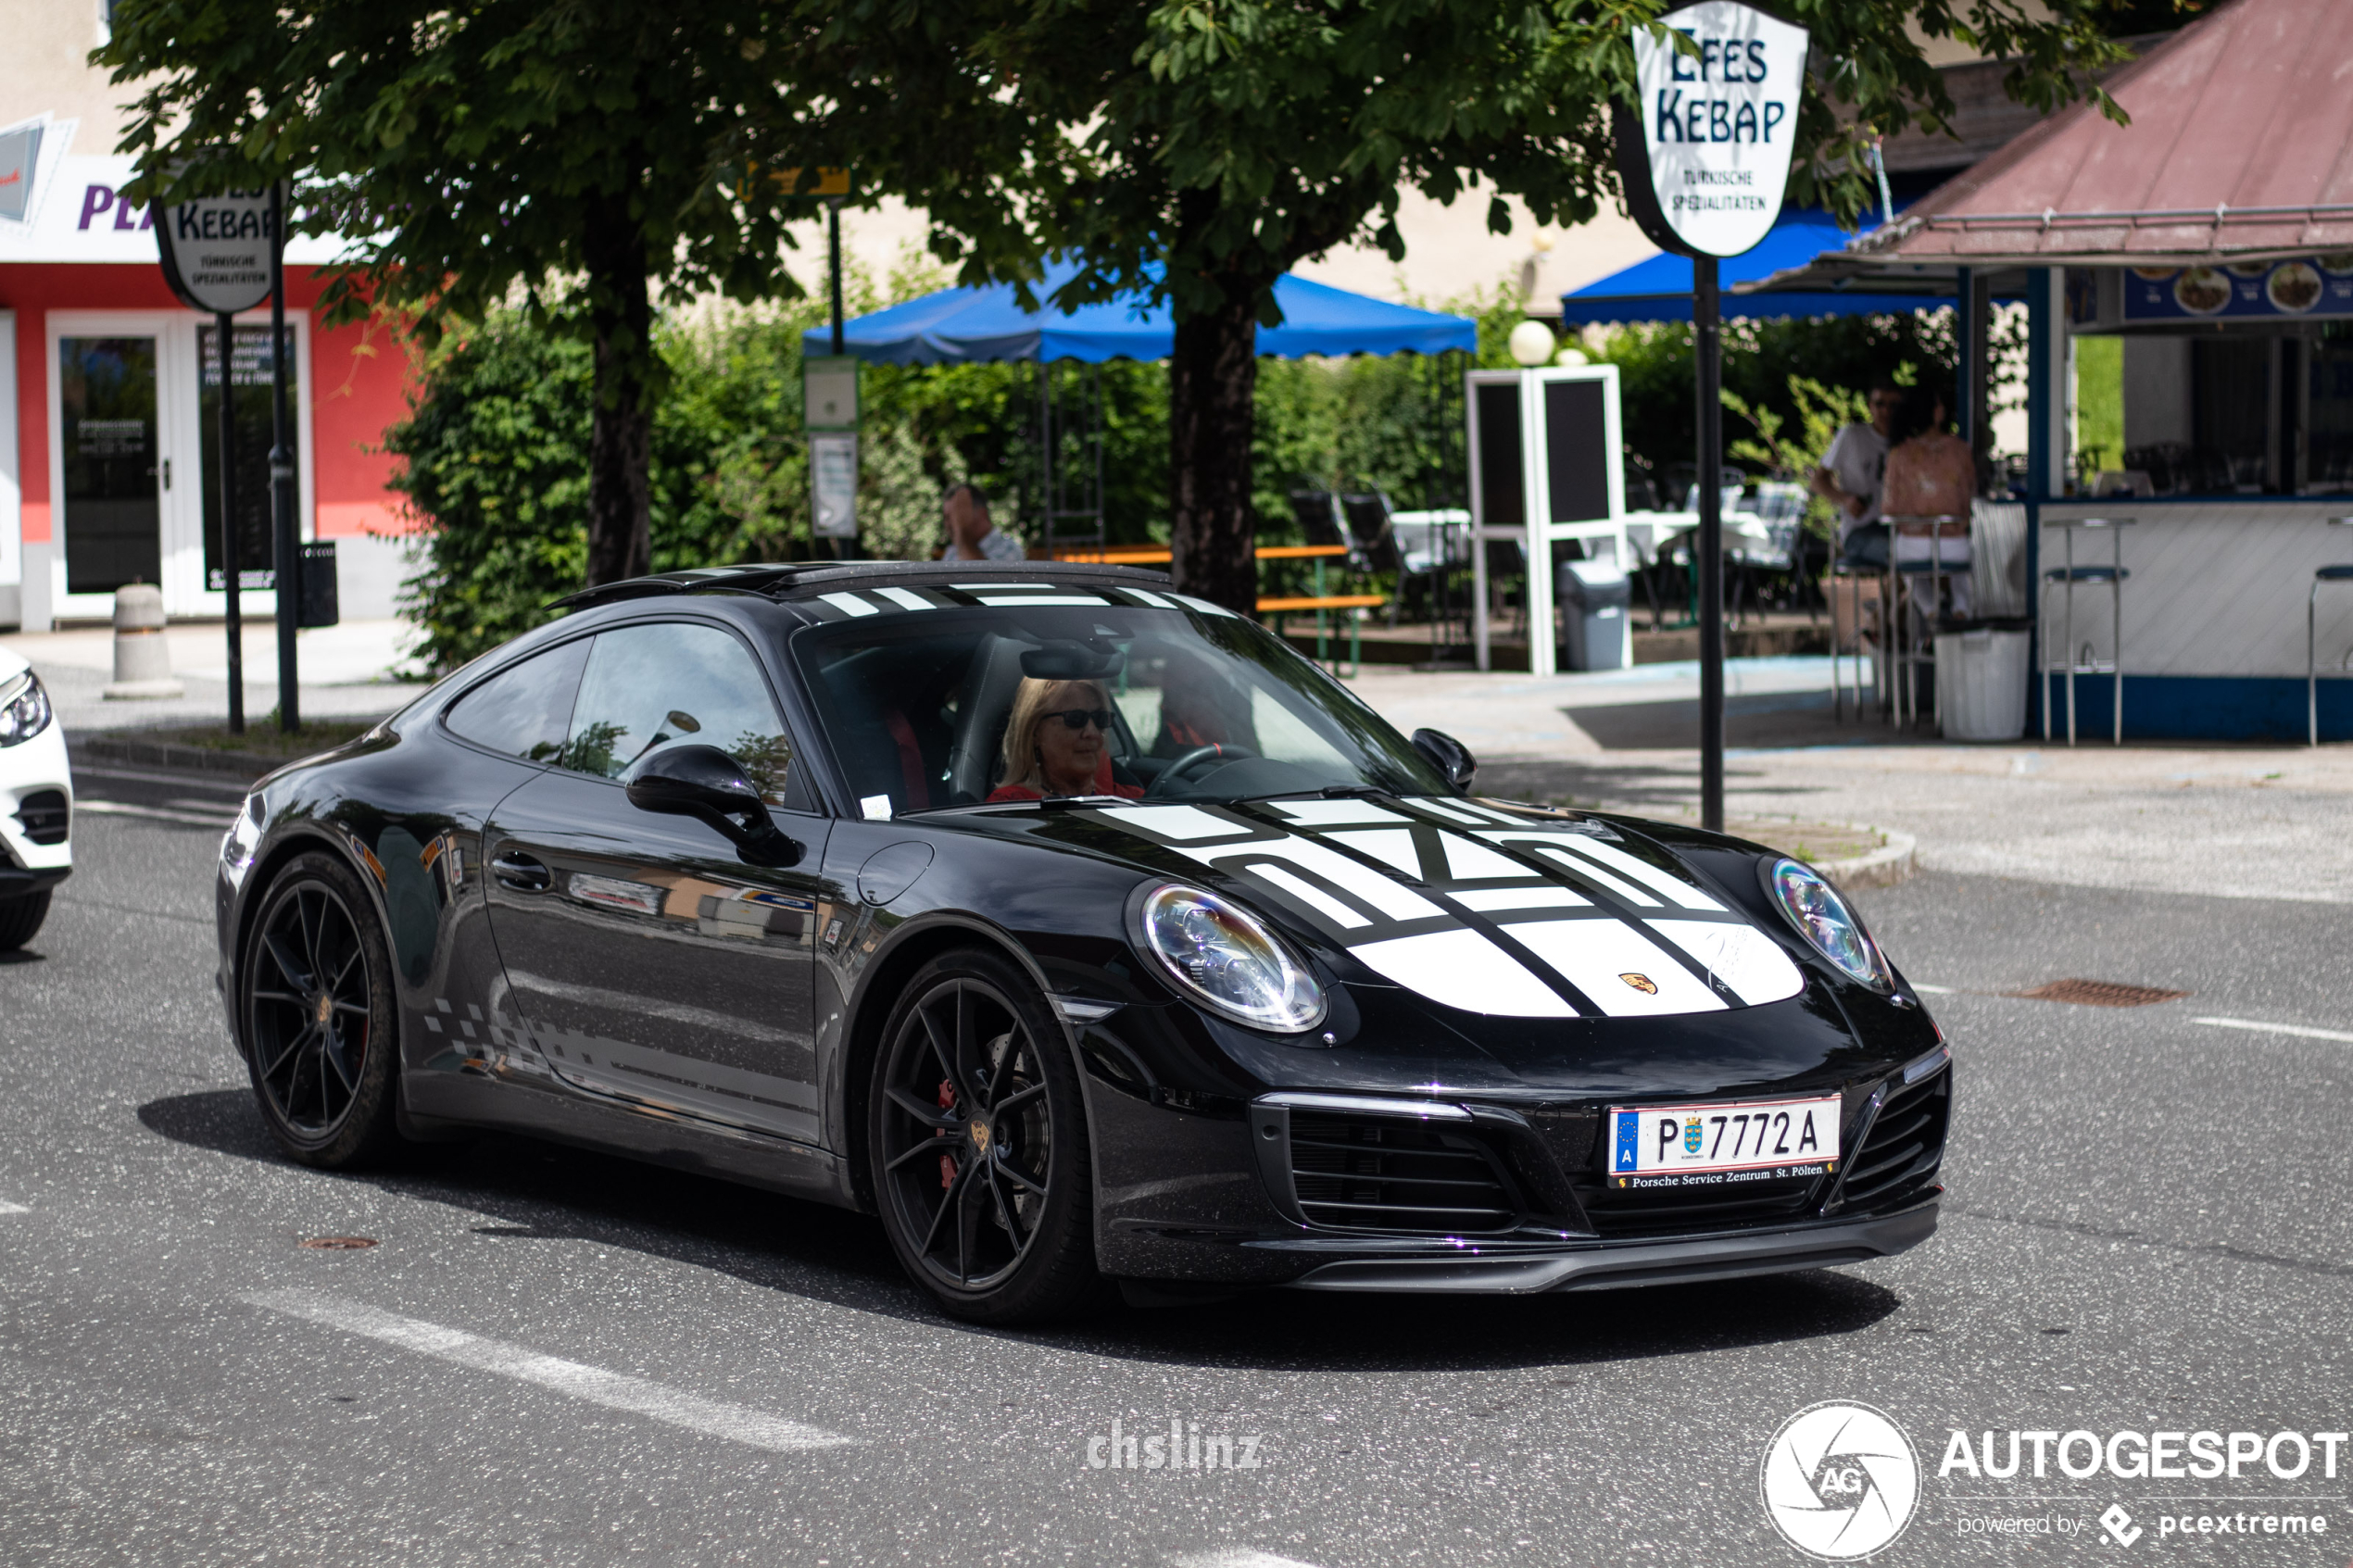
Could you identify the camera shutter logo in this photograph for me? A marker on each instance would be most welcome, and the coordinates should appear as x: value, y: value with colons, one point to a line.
x: 1839, y: 1481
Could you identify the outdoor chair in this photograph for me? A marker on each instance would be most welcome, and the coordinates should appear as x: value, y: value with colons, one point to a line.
x: 1372, y: 543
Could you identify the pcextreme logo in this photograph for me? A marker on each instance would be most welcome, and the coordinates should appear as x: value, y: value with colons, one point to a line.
x: 1839, y: 1481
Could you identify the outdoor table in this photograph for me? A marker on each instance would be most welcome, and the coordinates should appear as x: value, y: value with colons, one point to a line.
x: 1649, y: 533
x: 1319, y: 599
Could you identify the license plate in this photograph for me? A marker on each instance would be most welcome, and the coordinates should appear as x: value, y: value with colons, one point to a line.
x: 1751, y: 1140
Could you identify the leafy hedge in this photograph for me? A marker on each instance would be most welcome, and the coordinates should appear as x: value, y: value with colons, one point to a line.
x: 494, y: 450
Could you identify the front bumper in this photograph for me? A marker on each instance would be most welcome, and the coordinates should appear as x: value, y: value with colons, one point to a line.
x: 1618, y: 1265
x: 30, y: 771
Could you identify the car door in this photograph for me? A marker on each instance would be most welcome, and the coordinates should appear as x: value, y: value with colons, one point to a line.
x: 651, y: 961
x: 437, y: 804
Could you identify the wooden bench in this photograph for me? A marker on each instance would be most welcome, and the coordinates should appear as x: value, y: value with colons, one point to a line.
x: 1319, y: 602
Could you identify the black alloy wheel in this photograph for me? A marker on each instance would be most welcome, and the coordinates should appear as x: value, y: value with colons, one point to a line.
x: 978, y: 1144
x: 315, y: 1000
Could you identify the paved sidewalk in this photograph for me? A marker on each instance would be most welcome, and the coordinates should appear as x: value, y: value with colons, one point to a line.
x: 2245, y: 822
x: 345, y: 672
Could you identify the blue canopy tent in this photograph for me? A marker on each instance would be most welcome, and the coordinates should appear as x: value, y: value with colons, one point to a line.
x: 964, y: 326
x: 1660, y: 289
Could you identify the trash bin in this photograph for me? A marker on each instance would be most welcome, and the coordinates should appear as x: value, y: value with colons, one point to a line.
x: 1593, y: 596
x: 1981, y: 678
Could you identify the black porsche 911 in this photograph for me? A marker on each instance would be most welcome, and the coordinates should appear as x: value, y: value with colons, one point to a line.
x: 1081, y: 931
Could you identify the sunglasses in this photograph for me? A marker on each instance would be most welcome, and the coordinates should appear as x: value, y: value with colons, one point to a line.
x: 1079, y: 718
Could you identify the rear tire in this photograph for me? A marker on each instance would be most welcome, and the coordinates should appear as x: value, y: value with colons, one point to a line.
x: 317, y: 1018
x: 976, y: 1144
x: 20, y: 919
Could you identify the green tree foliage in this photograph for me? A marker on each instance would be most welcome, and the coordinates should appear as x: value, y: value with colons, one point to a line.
x: 589, y: 155
x: 1197, y: 150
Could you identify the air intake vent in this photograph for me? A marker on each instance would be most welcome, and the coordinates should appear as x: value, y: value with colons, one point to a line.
x: 1389, y: 1174
x: 43, y: 815
x: 1904, y: 1146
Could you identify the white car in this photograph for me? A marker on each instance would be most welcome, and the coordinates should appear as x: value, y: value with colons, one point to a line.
x: 36, y: 803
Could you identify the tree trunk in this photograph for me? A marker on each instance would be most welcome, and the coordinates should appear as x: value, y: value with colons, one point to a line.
x: 1213, y: 390
x: 620, y: 435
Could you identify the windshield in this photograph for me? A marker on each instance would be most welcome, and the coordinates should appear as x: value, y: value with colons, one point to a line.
x: 1056, y: 698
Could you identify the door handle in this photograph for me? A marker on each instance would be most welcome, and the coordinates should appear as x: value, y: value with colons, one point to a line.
x: 522, y: 872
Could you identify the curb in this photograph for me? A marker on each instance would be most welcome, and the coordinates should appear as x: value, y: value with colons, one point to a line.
x: 1893, y: 862
x: 177, y: 758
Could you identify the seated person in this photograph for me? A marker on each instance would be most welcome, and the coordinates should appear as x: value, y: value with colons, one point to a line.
x: 1055, y: 743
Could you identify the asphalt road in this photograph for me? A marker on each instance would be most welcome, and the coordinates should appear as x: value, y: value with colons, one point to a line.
x: 553, y: 1357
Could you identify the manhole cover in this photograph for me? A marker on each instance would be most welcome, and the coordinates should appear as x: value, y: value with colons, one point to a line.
x: 2099, y: 994
x: 339, y: 1243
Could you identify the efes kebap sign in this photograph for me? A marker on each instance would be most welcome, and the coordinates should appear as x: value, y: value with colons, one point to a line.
x: 216, y: 250
x: 1705, y: 147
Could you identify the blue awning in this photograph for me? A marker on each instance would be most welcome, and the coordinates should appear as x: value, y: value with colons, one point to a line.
x: 1660, y: 289
x: 965, y: 326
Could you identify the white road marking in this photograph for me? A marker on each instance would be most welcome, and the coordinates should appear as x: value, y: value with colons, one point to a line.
x: 2306, y: 1031
x: 221, y: 819
x: 593, y: 1384
x: 8, y: 1207
x: 1240, y: 1557
x: 1933, y: 990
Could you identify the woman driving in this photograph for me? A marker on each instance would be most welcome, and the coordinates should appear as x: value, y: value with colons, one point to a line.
x: 1055, y: 743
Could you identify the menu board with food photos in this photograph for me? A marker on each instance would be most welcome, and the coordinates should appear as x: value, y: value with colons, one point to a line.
x: 2319, y: 286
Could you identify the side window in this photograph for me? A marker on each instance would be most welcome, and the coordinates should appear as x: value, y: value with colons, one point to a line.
x: 525, y: 710
x: 675, y: 683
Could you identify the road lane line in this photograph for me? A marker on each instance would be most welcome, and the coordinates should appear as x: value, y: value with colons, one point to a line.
x: 1933, y: 990
x: 1240, y: 1557
x: 2306, y: 1031
x: 593, y: 1384
x: 8, y: 1207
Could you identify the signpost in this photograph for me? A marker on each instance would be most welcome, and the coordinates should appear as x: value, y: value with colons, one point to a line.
x: 220, y: 255
x: 829, y: 387
x: 1703, y: 153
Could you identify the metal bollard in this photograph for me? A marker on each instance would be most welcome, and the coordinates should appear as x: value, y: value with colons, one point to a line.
x: 142, y: 660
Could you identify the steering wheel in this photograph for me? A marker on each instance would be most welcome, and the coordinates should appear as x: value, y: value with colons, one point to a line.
x: 1189, y: 760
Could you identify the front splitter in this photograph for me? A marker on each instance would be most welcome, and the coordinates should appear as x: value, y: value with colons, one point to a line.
x: 1617, y: 1267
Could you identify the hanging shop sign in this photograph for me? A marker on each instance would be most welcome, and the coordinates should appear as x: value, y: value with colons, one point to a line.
x: 2319, y: 286
x: 833, y: 485
x: 216, y: 250
x: 1704, y: 149
x: 19, y: 160
x: 829, y: 391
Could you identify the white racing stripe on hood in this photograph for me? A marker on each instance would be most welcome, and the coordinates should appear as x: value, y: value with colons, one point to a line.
x: 1462, y: 969
x: 1411, y: 941
x: 1743, y: 957
x: 1597, y: 956
x: 1335, y: 813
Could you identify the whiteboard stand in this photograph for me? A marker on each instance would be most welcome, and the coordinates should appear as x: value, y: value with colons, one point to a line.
x: 1545, y: 465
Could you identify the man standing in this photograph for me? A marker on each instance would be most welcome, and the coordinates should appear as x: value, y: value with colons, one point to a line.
x: 970, y: 536
x: 1851, y: 474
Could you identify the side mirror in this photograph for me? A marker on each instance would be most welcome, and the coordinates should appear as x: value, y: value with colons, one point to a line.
x: 1451, y: 757
x: 704, y: 782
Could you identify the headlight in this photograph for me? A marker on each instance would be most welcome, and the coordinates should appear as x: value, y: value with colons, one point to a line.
x: 1822, y: 918
x: 24, y: 709
x: 243, y: 838
x: 1230, y: 963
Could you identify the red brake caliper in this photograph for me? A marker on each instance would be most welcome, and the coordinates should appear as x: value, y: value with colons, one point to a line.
x: 947, y: 1164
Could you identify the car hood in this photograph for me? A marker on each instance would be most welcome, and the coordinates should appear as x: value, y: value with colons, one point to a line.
x: 11, y: 665
x: 1474, y: 905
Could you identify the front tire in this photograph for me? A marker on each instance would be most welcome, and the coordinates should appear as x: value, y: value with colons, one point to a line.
x: 978, y: 1145
x: 319, y: 1018
x: 20, y: 919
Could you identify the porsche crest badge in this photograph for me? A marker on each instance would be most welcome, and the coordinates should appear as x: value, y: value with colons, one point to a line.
x: 1641, y: 982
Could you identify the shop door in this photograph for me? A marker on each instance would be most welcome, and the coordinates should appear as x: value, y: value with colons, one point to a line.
x: 114, y: 467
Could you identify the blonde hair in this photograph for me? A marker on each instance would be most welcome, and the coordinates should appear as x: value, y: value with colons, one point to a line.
x: 1029, y: 711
